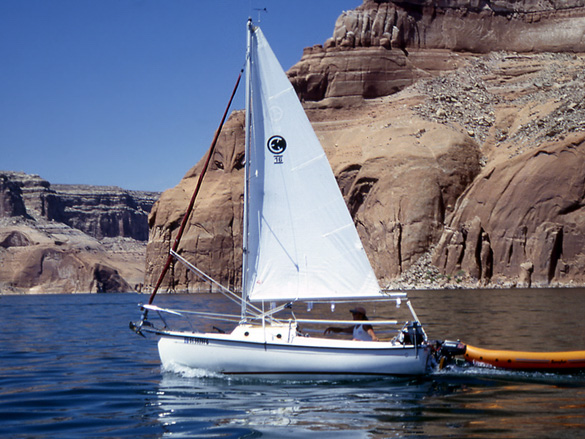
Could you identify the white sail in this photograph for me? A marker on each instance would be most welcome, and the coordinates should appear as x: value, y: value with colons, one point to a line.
x: 301, y: 243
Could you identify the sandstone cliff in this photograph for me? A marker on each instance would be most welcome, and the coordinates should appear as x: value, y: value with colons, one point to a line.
x: 522, y: 219
x: 398, y: 42
x: 446, y: 142
x: 68, y: 238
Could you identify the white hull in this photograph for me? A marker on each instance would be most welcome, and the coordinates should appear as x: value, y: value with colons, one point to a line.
x: 262, y: 352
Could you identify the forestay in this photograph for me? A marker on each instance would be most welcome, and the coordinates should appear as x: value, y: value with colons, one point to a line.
x: 301, y: 243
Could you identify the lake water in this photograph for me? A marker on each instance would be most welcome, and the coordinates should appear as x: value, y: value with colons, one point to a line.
x: 71, y: 368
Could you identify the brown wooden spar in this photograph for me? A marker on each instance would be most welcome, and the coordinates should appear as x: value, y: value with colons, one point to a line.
x: 194, y: 196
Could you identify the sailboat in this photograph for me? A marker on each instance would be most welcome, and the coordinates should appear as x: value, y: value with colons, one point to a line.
x: 300, y: 246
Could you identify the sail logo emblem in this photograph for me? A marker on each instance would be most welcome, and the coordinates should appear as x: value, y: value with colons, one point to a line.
x: 276, y: 144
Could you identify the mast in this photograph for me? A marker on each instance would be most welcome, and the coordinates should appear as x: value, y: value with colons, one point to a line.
x: 250, y: 29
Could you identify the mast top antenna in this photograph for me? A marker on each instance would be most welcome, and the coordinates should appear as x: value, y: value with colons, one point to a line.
x: 260, y: 10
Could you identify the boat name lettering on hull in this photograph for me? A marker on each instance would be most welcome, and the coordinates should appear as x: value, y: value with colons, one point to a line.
x: 191, y: 340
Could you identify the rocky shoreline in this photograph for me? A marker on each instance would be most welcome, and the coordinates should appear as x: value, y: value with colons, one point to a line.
x: 423, y: 275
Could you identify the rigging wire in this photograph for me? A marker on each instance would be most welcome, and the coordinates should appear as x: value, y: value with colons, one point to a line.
x: 170, y: 257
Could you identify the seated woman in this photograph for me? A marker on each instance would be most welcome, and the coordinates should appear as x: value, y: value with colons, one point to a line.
x: 360, y: 332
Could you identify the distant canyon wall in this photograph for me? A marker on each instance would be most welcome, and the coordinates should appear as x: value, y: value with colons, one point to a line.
x: 99, y: 211
x: 70, y: 238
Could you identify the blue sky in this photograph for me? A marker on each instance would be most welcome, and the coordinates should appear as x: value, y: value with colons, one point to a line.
x: 129, y: 92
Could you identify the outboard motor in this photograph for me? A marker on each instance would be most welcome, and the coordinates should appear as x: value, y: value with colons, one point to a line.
x: 447, y: 350
x: 452, y: 348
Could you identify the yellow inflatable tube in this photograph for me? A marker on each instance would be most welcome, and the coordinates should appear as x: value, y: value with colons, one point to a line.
x: 518, y: 360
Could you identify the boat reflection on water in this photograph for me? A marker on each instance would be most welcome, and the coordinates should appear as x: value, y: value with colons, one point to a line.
x: 457, y: 403
x: 222, y: 406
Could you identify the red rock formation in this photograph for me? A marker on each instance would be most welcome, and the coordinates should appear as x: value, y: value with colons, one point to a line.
x: 11, y: 202
x: 212, y: 239
x: 43, y: 247
x: 524, y: 217
x: 378, y: 175
x: 479, y: 26
x: 43, y: 257
x: 402, y: 41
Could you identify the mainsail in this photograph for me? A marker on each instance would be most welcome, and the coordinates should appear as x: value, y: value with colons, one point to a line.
x: 301, y: 242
